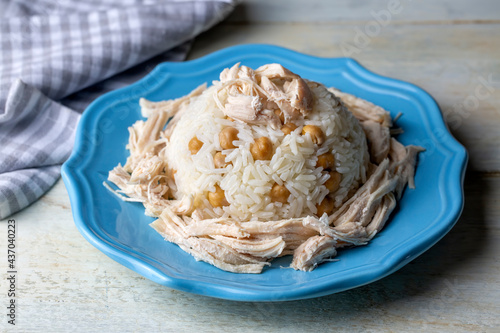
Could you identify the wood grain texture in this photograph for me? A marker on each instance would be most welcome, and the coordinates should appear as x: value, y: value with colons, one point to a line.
x: 447, y: 47
x: 457, y: 64
x: 346, y: 11
x: 65, y: 284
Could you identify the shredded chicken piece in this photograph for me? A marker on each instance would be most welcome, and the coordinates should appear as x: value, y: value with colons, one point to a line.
x: 353, y: 233
x: 148, y: 108
x: 245, y: 247
x: 275, y: 71
x: 312, y: 252
x: 366, y: 212
x: 146, y: 136
x: 146, y: 169
x: 216, y: 253
x: 362, y: 205
x: 379, y: 140
x: 152, y: 189
x: 225, y: 227
x: 145, y: 139
x: 184, y: 206
x: 381, y: 214
x: 362, y: 109
x: 253, y: 97
x: 403, y: 164
x: 262, y: 248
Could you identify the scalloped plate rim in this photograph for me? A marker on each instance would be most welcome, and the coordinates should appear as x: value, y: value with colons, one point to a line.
x: 456, y: 156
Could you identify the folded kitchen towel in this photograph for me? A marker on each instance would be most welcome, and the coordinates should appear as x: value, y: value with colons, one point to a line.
x: 56, y: 56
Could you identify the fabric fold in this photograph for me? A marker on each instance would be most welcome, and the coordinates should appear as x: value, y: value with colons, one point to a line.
x: 71, y: 52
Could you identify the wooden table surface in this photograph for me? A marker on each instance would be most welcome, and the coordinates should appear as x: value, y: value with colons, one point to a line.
x: 449, y: 48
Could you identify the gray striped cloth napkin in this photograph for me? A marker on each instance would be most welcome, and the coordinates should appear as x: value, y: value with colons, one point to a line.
x: 56, y: 56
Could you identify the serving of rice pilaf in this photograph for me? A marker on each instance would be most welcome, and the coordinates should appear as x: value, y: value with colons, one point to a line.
x: 263, y: 164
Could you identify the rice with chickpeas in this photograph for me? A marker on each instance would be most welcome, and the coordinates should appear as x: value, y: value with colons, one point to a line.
x: 264, y: 164
x: 288, y: 182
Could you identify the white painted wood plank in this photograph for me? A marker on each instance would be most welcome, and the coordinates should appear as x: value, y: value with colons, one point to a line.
x: 65, y: 284
x: 451, y: 62
x: 345, y: 11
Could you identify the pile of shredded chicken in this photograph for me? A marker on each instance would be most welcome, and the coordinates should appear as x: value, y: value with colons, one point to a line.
x: 247, y: 247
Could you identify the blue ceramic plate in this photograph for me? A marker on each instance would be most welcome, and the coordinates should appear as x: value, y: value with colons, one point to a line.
x: 120, y: 229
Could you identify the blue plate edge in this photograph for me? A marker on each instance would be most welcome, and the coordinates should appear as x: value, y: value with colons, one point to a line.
x: 69, y: 177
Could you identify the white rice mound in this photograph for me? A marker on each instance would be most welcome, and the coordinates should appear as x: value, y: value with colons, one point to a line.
x: 247, y: 183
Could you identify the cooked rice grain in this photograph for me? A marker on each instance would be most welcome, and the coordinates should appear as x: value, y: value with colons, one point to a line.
x: 247, y: 183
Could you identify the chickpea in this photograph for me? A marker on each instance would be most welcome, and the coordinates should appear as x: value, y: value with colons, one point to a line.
x: 333, y: 183
x: 326, y: 161
x: 220, y: 160
x: 217, y: 198
x: 227, y: 136
x: 280, y: 115
x: 317, y: 135
x: 288, y: 128
x: 262, y: 149
x: 279, y: 193
x: 326, y: 206
x: 194, y: 145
